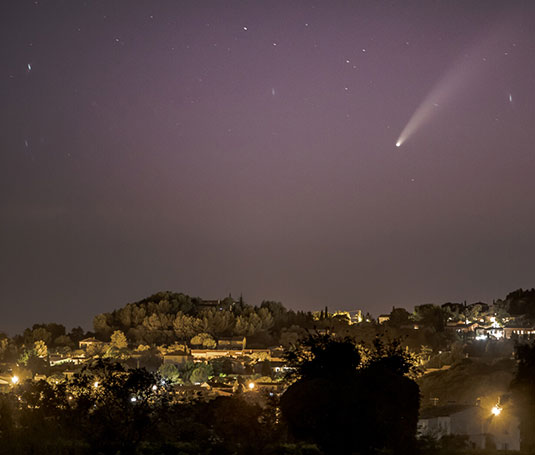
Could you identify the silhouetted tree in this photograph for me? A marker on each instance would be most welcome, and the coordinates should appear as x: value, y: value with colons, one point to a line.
x: 399, y: 317
x: 431, y: 316
x: 349, y: 406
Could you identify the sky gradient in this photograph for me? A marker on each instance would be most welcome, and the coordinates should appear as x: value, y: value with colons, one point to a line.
x: 216, y: 147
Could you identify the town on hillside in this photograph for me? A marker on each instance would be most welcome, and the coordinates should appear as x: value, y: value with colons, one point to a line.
x: 461, y: 355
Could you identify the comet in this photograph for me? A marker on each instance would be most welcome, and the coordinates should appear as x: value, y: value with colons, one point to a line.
x: 460, y: 74
x: 442, y: 91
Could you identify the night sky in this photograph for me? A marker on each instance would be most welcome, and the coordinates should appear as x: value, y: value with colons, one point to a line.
x: 216, y: 147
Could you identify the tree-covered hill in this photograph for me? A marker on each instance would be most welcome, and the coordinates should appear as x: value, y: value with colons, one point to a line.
x: 169, y: 317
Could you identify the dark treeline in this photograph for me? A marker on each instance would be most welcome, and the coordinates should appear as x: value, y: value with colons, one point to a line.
x: 343, y: 400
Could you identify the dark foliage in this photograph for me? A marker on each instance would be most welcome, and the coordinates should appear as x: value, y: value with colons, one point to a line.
x: 521, y: 302
x: 350, y: 406
x: 109, y: 410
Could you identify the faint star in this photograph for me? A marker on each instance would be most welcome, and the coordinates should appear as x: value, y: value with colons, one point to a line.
x: 245, y: 28
x: 273, y: 92
x: 29, y: 66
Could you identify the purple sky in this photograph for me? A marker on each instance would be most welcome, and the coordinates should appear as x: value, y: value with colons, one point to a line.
x: 248, y: 147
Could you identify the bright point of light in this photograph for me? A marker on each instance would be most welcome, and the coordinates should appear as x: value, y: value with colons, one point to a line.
x: 133, y: 399
x: 398, y: 144
x: 15, y: 379
x: 496, y: 410
x: 29, y: 66
x: 245, y: 28
x: 95, y: 384
x: 154, y: 387
x: 510, y: 98
x: 251, y: 385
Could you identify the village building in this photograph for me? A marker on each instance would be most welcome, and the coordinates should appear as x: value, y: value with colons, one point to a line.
x: 485, y: 428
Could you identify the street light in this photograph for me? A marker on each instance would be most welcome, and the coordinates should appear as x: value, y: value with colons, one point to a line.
x: 251, y: 385
x: 15, y: 379
x: 496, y: 410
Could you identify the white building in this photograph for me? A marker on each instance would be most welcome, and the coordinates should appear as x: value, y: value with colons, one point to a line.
x: 484, y: 428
